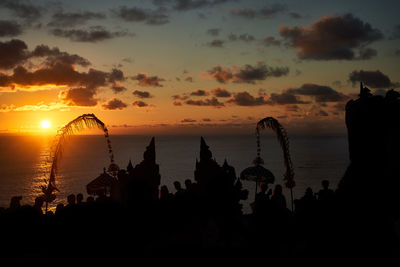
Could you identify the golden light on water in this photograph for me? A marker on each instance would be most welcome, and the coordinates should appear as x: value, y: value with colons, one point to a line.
x: 45, y: 124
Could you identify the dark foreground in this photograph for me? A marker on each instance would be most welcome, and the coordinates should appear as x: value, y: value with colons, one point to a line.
x: 134, y: 219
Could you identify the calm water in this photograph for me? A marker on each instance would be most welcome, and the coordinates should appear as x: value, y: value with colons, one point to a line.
x: 24, y: 160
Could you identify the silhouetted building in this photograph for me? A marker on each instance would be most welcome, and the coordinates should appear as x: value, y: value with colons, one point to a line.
x: 219, y: 186
x: 141, y: 183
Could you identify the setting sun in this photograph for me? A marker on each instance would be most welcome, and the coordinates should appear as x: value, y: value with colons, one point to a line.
x: 46, y: 124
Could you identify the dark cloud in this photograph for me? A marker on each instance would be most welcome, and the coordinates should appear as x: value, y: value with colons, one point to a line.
x: 94, y: 34
x: 116, y: 75
x: 23, y: 9
x: 140, y: 104
x: 214, y: 31
x: 81, y: 96
x: 247, y: 73
x: 397, y: 52
x: 332, y: 38
x: 321, y: 93
x: 246, y: 99
x: 322, y: 113
x: 148, y: 81
x: 213, y: 102
x: 70, y: 19
x: 54, y: 55
x: 295, y: 15
x: 372, y: 78
x: 271, y: 41
x: 206, y: 119
x: 135, y: 14
x: 180, y: 97
x: 263, y: 13
x: 12, y: 53
x: 396, y: 32
x: 189, y: 79
x: 188, y: 120
x: 186, y: 5
x: 9, y: 28
x: 15, y: 52
x: 220, y: 92
x: 367, y: 53
x: 216, y: 43
x: 245, y: 37
x: 117, y: 88
x: 142, y: 94
x: 199, y: 92
x: 114, y: 104
x: 285, y: 98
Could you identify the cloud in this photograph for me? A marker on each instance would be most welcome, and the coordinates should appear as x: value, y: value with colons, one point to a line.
x: 9, y: 28
x: 70, y: 19
x: 247, y: 73
x: 180, y: 97
x: 38, y: 107
x: 263, y: 13
x: 199, y: 92
x: 148, y: 81
x: 213, y: 102
x: 135, y: 14
x: 321, y: 93
x: 216, y: 43
x: 117, y: 88
x: 372, y: 78
x: 93, y: 35
x: 54, y: 55
x: 220, y: 92
x: 396, y: 32
x: 114, y: 104
x: 116, y: 75
x: 245, y: 37
x: 24, y: 10
x: 141, y: 104
x: 397, y: 52
x: 322, y: 113
x: 186, y: 5
x: 332, y: 38
x: 12, y: 53
x: 188, y: 120
x: 213, y: 31
x: 15, y: 52
x: 81, y: 96
x: 246, y: 99
x: 285, y: 98
x: 271, y: 41
x: 295, y: 15
x: 142, y: 94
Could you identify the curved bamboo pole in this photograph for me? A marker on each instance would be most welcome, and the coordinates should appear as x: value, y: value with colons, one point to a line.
x: 85, y: 121
x: 273, y: 124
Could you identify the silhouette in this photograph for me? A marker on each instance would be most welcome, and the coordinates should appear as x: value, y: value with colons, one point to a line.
x: 133, y: 215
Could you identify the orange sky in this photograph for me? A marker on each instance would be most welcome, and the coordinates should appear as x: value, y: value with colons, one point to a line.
x: 176, y: 67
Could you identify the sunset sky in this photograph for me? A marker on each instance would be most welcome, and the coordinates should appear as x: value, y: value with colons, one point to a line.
x: 193, y: 66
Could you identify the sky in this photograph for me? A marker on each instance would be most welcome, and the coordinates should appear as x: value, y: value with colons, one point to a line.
x: 193, y: 66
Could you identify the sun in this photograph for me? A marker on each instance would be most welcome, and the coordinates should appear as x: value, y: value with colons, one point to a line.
x: 45, y: 124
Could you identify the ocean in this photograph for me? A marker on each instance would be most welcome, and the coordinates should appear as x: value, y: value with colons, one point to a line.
x: 24, y: 161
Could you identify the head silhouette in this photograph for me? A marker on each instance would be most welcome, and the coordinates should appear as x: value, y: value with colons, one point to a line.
x: 164, y: 191
x: 188, y: 183
x: 325, y: 184
x: 71, y: 199
x: 79, y: 198
x: 177, y: 186
x: 278, y: 190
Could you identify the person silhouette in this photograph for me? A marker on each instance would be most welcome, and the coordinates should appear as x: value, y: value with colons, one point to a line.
x: 79, y: 199
x: 325, y: 194
x: 278, y: 199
